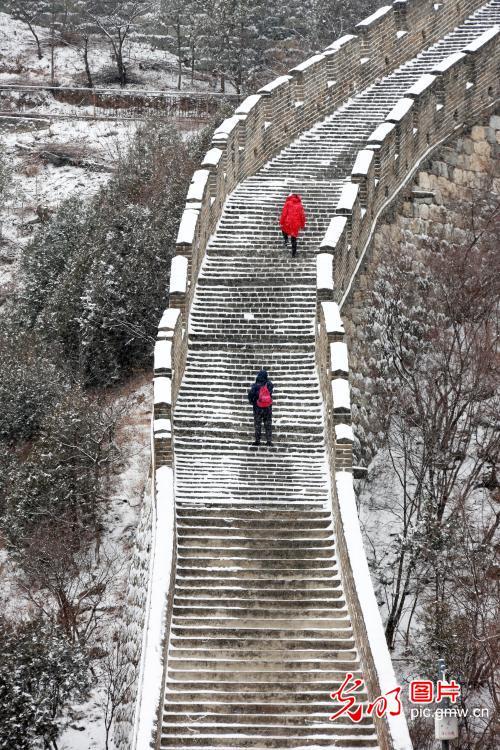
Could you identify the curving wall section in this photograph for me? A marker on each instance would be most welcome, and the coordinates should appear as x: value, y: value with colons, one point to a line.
x: 430, y: 111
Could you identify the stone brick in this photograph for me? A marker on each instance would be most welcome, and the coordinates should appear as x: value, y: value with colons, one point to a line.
x: 477, y: 133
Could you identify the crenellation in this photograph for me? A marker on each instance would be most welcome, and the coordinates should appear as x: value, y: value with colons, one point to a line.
x: 378, y: 41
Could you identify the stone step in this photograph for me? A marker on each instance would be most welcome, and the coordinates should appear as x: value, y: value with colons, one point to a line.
x: 173, y: 728
x: 205, y: 654
x: 257, y: 711
x: 225, y: 645
x: 218, y: 717
x: 249, y: 727
x: 185, y: 531
x: 235, y: 741
x: 258, y: 666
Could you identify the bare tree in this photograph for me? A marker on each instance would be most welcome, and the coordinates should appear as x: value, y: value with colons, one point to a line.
x: 29, y: 11
x: 117, y: 679
x: 60, y: 574
x: 116, y: 19
x: 433, y: 374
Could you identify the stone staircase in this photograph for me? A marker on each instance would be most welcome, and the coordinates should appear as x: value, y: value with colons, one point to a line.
x: 260, y: 631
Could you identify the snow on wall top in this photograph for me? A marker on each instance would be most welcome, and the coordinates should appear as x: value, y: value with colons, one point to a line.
x: 339, y: 43
x: 423, y: 83
x: 338, y: 357
x: 381, y: 132
x: 161, y: 563
x: 226, y: 128
x: 162, y: 389
x: 334, y: 231
x: 212, y: 158
x: 368, y: 603
x: 280, y: 81
x: 400, y: 109
x: 348, y: 197
x: 341, y: 394
x: 344, y: 433
x: 448, y: 62
x: 485, y: 37
x: 308, y: 63
x: 163, y: 355
x: 331, y: 314
x: 178, y: 274
x: 363, y: 162
x: 248, y: 104
x: 324, y: 271
x: 187, y: 226
x: 198, y: 184
x: 162, y: 425
x: 169, y: 318
x: 374, y: 17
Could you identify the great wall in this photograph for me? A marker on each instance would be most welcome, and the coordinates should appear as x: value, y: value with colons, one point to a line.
x: 249, y: 594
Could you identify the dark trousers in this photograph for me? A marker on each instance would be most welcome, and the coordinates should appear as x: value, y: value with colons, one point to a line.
x: 294, y: 241
x: 266, y: 416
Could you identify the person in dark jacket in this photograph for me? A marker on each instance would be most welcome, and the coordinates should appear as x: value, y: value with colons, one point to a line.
x: 292, y: 220
x: 259, y: 396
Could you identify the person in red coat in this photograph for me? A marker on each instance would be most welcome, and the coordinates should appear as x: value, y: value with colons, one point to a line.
x: 292, y: 220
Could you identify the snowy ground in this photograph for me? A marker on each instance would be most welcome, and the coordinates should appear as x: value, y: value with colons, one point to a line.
x: 86, y: 730
x: 148, y: 66
x: 38, y: 184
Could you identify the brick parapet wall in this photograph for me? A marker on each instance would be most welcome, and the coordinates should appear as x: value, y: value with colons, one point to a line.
x: 458, y: 90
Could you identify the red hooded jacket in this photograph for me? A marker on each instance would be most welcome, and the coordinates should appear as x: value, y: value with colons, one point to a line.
x: 293, y: 217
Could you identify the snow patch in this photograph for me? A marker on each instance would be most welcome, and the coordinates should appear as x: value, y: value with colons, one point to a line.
x: 363, y: 162
x: 341, y: 394
x: 334, y: 232
x: 423, y: 83
x: 344, y: 433
x: 339, y: 361
x: 449, y: 62
x: 178, y: 274
x: 331, y: 314
x: 374, y: 17
x: 324, y: 271
x: 348, y: 197
x: 381, y: 132
x: 163, y: 355
x: 400, y: 110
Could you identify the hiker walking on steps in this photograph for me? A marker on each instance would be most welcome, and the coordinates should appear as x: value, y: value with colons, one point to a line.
x: 259, y: 396
x: 292, y: 220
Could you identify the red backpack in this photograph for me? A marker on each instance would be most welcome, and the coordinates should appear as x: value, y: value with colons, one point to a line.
x: 264, y: 399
